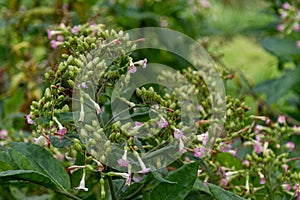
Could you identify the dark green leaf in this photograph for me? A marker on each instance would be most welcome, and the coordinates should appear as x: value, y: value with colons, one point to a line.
x: 185, y: 177
x: 221, y: 194
x: 227, y: 160
x: 62, y: 142
x: 44, y: 163
x: 200, y: 186
x: 284, y: 49
x: 276, y: 88
x: 27, y: 175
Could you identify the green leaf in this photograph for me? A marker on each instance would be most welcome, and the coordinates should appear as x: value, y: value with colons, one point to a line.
x: 44, y: 163
x: 284, y: 49
x: 14, y: 103
x: 63, y: 142
x: 227, y: 160
x: 200, y: 186
x: 4, y: 166
x: 276, y: 88
x: 221, y: 194
x: 28, y: 175
x: 15, y: 159
x: 185, y: 177
x: 158, y: 177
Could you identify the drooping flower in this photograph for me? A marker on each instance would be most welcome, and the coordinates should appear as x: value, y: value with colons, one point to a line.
x: 82, y: 183
x: 285, y: 168
x: 290, y: 146
x: 142, y: 164
x: 75, y: 29
x: 60, y: 38
x: 286, y: 186
x: 225, y: 147
x: 162, y: 123
x: 298, y: 44
x: 142, y: 63
x: 296, y: 27
x: 281, y: 119
x: 53, y: 44
x: 29, y: 120
x: 246, y: 163
x: 280, y: 27
x: 96, y: 105
x: 132, y: 68
x: 203, y: 137
x: 41, y: 140
x: 3, y: 134
x: 123, y: 162
x: 61, y: 129
x: 178, y: 133
x: 199, y: 151
x: 262, y: 178
x: 258, y: 147
x: 81, y: 114
x: 285, y: 5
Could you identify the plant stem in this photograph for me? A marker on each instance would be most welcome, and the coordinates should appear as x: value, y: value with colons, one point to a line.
x: 111, y: 187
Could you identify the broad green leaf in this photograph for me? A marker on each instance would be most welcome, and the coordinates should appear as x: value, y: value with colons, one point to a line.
x: 14, y: 102
x: 4, y: 166
x: 15, y: 159
x: 227, y: 160
x: 44, y: 163
x: 284, y: 49
x: 62, y: 142
x: 158, y: 177
x: 28, y: 175
x: 221, y: 194
x: 185, y: 177
x: 200, y: 186
x: 195, y: 194
x: 276, y: 88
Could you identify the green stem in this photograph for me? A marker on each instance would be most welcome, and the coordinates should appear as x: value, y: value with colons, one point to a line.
x: 111, y: 187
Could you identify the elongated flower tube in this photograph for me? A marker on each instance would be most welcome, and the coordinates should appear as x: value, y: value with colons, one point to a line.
x: 97, y: 107
x: 81, y: 114
x: 142, y: 164
x: 123, y: 162
x: 61, y: 129
x: 82, y: 183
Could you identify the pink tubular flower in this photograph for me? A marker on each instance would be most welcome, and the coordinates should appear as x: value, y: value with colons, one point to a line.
x: 203, y: 137
x: 225, y: 147
x: 75, y: 29
x: 258, y: 147
x: 297, y: 191
x: 49, y: 33
x: 290, y: 146
x: 53, y: 44
x: 60, y: 38
x: 246, y: 163
x: 142, y: 63
x: 142, y: 164
x: 123, y: 162
x: 280, y: 27
x: 204, y: 3
x: 29, y: 120
x: 298, y: 44
x: 178, y: 133
x: 281, y: 119
x: 286, y: 186
x: 296, y: 27
x: 61, y: 129
x: 96, y: 105
x: 285, y: 5
x: 262, y: 178
x: 285, y: 168
x: 82, y: 183
x: 132, y: 68
x: 199, y: 151
x: 162, y: 123
x: 3, y: 134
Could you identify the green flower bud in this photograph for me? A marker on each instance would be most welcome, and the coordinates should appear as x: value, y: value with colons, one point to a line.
x: 89, y: 128
x: 83, y: 133
x: 71, y: 83
x: 77, y: 147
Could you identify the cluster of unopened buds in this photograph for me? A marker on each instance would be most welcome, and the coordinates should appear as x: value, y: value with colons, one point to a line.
x: 289, y: 20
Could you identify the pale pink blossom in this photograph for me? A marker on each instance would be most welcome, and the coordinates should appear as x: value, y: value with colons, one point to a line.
x: 29, y: 120
x: 199, y: 151
x: 3, y: 134
x: 75, y: 29
x: 285, y: 5
x: 281, y: 119
x: 162, y: 123
x: 290, y: 146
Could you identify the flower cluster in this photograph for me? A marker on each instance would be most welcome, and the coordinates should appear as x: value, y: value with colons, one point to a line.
x: 289, y: 20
